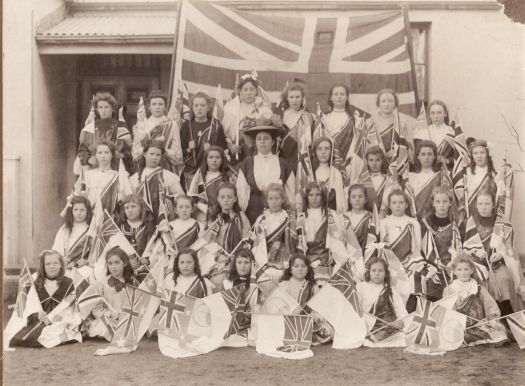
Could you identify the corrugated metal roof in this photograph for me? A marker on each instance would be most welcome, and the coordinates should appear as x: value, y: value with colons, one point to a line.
x: 113, y: 26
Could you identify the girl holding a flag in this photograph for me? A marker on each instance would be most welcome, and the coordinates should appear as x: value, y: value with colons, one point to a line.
x: 438, y: 132
x: 383, y: 123
x: 359, y: 217
x: 186, y: 277
x: 52, y: 290
x: 402, y: 235
x: 135, y: 226
x: 158, y: 127
x: 377, y: 166
x: 297, y: 122
x: 329, y: 177
x: 205, y: 184
x: 426, y: 177
x: 119, y: 274
x: 238, y: 112
x: 475, y: 302
x: 72, y: 238
x: 199, y: 133
x: 104, y: 128
x: 440, y: 239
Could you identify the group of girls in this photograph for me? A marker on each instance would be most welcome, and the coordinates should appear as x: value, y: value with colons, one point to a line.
x: 238, y: 181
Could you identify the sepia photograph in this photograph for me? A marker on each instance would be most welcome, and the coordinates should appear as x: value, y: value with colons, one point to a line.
x: 247, y: 192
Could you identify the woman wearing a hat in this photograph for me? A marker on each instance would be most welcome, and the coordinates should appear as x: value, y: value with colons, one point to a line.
x: 257, y: 171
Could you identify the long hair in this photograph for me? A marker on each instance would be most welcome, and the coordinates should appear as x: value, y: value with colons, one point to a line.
x: 111, y: 146
x: 142, y: 161
x: 287, y: 273
x: 206, y: 97
x: 443, y: 105
x: 129, y: 276
x: 214, y: 212
x: 196, y: 266
x: 348, y: 108
x: 480, y: 143
x: 428, y: 144
x: 398, y: 192
x: 324, y: 202
x: 375, y: 260
x: 232, y: 274
x: 377, y: 151
x: 68, y: 220
x: 41, y: 275
x: 315, y: 144
x: 362, y: 188
x: 293, y: 87
x: 224, y: 162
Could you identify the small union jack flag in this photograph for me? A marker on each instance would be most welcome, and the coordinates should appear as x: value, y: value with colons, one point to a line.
x: 343, y: 281
x: 133, y: 308
x: 424, y: 329
x: 175, y: 310
x: 24, y: 284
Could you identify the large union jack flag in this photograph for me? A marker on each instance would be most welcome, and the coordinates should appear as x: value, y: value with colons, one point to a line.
x: 367, y: 52
x: 424, y: 329
x: 298, y: 331
x: 235, y: 299
x: 174, y: 312
x: 343, y: 281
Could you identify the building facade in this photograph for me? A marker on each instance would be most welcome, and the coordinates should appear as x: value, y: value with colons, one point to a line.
x: 58, y: 53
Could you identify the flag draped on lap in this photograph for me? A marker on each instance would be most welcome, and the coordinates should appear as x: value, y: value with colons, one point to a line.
x: 338, y: 303
x: 434, y: 329
x: 65, y: 320
x: 216, y: 42
x: 138, y: 307
x: 285, y: 336
x: 517, y: 326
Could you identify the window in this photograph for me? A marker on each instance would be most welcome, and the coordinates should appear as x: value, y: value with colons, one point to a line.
x: 420, y: 35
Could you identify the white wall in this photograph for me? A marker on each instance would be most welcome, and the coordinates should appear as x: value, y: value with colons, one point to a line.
x: 22, y: 80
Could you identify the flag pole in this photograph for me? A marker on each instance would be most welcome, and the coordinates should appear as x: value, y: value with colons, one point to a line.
x: 174, y: 55
x: 404, y: 9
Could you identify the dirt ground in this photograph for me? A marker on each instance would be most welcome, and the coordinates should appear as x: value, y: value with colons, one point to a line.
x: 75, y: 364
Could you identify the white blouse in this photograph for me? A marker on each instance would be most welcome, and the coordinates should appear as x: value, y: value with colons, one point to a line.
x: 377, y: 180
x: 180, y: 226
x: 184, y: 283
x: 266, y: 169
x: 335, y: 120
x: 419, y: 180
x: 152, y: 122
x: 474, y: 180
x: 96, y: 181
x: 369, y: 292
x: 312, y: 223
x: 322, y: 173
x: 272, y: 220
x: 434, y: 133
x: 291, y: 117
x: 392, y: 226
x: 65, y: 240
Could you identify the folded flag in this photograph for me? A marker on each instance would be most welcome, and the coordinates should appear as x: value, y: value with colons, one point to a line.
x: 338, y: 303
x: 434, y: 329
x: 285, y: 336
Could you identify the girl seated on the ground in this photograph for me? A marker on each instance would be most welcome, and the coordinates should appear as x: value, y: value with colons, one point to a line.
x: 475, y: 302
x: 72, y: 237
x: 186, y: 277
x: 52, y: 287
x: 119, y: 274
x: 298, y: 281
x: 378, y: 298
